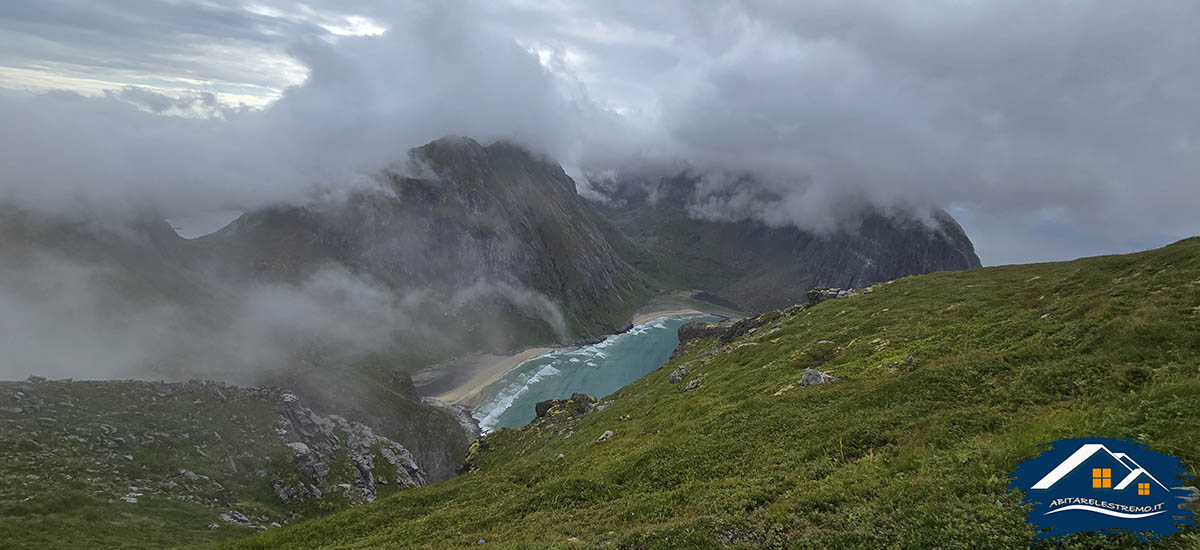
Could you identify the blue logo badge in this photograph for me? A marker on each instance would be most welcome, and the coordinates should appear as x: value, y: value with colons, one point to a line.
x: 1099, y: 484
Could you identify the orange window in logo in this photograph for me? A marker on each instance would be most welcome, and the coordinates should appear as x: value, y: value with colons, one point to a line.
x: 1143, y: 488
x: 1101, y: 478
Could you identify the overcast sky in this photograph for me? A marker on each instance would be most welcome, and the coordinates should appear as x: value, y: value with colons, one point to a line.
x: 1052, y: 130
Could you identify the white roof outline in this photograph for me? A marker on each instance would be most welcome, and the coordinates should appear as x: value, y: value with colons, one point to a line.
x: 1135, y: 474
x: 1085, y: 452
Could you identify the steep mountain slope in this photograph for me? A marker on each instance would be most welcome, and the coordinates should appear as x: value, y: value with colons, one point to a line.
x: 492, y: 231
x: 946, y: 382
x: 761, y: 267
x: 492, y: 248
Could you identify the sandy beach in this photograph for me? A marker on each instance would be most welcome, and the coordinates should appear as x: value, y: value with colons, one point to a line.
x: 474, y: 374
x: 648, y: 315
x: 461, y: 381
x: 679, y: 303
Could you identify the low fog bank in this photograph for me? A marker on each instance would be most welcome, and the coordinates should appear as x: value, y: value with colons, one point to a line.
x: 68, y: 318
x: 718, y: 195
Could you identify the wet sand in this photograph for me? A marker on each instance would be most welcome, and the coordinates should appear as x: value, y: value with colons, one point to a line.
x: 459, y: 383
x: 652, y: 314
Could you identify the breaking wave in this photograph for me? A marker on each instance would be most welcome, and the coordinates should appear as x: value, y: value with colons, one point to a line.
x: 598, y: 369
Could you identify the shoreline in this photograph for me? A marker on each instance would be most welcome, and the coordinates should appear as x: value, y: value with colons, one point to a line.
x: 467, y: 377
x: 680, y: 303
x: 645, y: 317
x: 481, y: 372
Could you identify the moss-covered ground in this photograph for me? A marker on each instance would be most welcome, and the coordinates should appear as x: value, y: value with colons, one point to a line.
x: 948, y: 381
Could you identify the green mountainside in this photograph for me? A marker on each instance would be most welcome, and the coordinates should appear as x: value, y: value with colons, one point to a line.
x: 132, y: 464
x: 945, y: 383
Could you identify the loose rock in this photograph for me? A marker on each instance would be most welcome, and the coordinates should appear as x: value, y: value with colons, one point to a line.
x: 813, y: 377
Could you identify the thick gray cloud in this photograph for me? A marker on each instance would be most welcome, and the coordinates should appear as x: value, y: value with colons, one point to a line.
x: 62, y: 318
x: 1051, y: 129
x: 66, y: 318
x: 367, y: 99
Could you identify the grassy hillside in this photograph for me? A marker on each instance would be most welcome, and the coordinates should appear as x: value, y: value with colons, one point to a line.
x: 131, y: 464
x: 70, y: 451
x: 947, y: 382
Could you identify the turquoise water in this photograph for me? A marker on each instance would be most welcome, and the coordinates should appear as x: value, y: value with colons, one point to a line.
x: 598, y: 369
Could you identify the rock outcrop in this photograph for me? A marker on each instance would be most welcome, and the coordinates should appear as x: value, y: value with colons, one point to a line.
x: 724, y: 331
x: 579, y: 404
x: 317, y: 441
x: 554, y: 416
x: 813, y: 377
x: 728, y: 331
x: 818, y: 295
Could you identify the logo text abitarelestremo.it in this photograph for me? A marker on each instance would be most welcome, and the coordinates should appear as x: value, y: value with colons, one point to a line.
x: 1100, y: 484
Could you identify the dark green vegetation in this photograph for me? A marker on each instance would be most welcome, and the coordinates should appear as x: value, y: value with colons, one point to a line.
x: 129, y: 464
x: 64, y: 449
x: 947, y: 382
x: 762, y: 268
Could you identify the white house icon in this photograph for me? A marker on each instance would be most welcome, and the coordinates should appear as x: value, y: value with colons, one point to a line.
x: 1083, y: 454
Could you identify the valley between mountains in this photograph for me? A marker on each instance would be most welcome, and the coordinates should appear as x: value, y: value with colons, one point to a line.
x: 314, y: 375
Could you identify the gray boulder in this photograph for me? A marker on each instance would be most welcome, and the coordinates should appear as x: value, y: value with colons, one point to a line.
x: 813, y: 377
x: 316, y: 441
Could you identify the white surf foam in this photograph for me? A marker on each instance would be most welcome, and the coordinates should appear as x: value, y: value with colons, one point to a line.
x: 490, y: 412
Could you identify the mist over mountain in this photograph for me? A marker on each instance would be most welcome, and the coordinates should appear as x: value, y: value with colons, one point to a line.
x: 336, y: 244
x: 99, y: 299
x: 458, y: 249
x: 762, y: 266
x: 491, y: 225
x: 1051, y: 132
x: 462, y: 247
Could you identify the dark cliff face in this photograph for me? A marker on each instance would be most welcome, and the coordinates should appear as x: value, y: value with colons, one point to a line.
x: 761, y: 267
x: 494, y: 228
